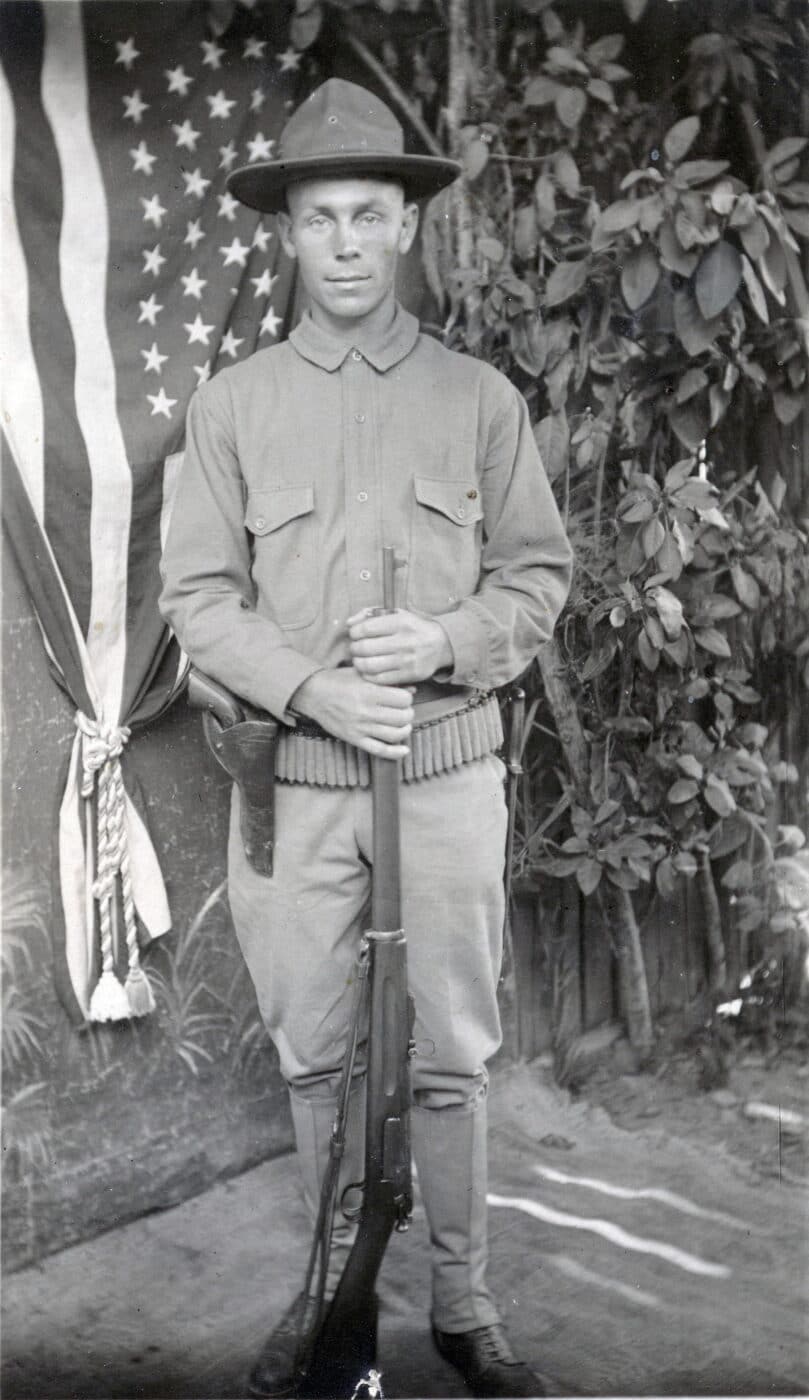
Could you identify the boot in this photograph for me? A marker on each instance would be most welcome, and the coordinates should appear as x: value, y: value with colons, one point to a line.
x: 449, y: 1145
x: 274, y: 1373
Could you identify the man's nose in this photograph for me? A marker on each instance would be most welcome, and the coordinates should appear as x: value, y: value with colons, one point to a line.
x: 345, y: 241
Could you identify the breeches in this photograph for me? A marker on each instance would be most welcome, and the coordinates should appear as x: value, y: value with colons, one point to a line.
x: 299, y: 930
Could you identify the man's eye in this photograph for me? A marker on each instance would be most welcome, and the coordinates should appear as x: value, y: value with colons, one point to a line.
x: 370, y: 219
x: 318, y: 221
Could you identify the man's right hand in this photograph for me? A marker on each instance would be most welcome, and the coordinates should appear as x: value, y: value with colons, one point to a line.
x: 376, y: 718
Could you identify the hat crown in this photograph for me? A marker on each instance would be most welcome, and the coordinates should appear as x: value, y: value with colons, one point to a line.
x: 340, y: 118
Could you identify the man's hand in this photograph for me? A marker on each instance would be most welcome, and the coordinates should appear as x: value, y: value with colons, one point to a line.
x: 376, y: 718
x: 398, y: 648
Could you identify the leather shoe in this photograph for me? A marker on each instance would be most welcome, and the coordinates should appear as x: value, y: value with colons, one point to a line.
x: 275, y: 1373
x: 488, y: 1365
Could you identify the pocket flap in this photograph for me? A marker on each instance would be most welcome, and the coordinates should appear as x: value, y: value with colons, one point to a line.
x: 459, y: 501
x: 268, y: 510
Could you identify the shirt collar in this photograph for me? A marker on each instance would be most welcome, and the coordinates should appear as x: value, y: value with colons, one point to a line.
x: 382, y: 351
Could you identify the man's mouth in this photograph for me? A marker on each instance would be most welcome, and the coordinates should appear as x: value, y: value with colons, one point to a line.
x: 348, y: 281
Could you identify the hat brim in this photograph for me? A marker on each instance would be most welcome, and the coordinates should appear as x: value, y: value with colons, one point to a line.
x: 263, y: 185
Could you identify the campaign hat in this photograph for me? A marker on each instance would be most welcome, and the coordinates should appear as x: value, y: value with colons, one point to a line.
x: 340, y: 129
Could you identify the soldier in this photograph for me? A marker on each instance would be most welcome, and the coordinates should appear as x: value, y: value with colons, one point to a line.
x: 301, y: 463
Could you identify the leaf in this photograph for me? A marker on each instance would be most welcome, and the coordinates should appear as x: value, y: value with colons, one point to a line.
x: 739, y: 876
x: 755, y: 291
x: 566, y: 280
x: 540, y: 91
x: 755, y: 238
x: 618, y: 216
x: 603, y: 50
x: 526, y: 234
x: 602, y: 91
x: 528, y: 342
x: 689, y: 764
x: 696, y: 172
x: 639, y: 508
x: 746, y: 588
x: 717, y: 280
x: 566, y: 59
x: 682, y: 791
x: 648, y: 654
x: 692, y: 381
x: 694, y: 332
x: 552, y: 436
x: 677, y: 475
x: 639, y: 275
x: 679, y: 139
x: 598, y: 660
x: 475, y: 158
x: 669, y: 610
x: 634, y: 9
x: 787, y: 406
x: 588, y: 875
x: 798, y: 221
x: 567, y: 172
x: 664, y: 878
x: 727, y: 836
x: 722, y: 197
x: 545, y: 200
x: 685, y: 863
x: 773, y: 268
x: 783, y: 150
x: 672, y: 254
x: 653, y: 536
x: 571, y: 104
x: 691, y: 422
x: 713, y: 641
x: 719, y: 796
x: 304, y: 28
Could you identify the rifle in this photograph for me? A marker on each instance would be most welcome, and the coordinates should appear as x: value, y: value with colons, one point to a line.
x: 338, y: 1356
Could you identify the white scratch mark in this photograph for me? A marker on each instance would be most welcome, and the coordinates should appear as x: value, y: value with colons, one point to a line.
x: 643, y: 1193
x: 573, y: 1269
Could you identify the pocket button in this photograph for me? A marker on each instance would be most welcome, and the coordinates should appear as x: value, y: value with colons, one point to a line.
x: 260, y: 522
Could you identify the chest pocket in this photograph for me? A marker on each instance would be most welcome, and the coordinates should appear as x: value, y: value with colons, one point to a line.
x: 285, y: 558
x: 445, y: 543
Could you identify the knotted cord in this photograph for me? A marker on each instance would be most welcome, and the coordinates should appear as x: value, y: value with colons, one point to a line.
x: 101, y: 749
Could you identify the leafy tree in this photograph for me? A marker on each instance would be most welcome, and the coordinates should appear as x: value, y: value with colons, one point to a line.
x: 627, y: 248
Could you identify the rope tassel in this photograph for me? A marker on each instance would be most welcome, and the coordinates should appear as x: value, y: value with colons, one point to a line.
x: 102, y: 747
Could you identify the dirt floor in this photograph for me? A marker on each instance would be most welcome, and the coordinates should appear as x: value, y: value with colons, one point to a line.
x: 649, y: 1236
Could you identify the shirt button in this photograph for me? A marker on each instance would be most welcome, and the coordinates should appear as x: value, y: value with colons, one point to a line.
x: 461, y: 512
x: 362, y: 495
x: 359, y: 417
x: 365, y: 574
x: 355, y: 355
x: 260, y: 522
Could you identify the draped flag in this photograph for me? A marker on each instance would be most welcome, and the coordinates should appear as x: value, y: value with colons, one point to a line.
x: 130, y: 275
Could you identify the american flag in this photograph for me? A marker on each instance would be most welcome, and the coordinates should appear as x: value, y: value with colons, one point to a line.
x: 130, y: 276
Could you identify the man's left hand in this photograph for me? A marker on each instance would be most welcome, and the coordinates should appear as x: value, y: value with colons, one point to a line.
x: 398, y: 648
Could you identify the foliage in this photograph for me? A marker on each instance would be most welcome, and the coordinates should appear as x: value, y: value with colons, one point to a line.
x: 629, y: 254
x: 190, y: 1012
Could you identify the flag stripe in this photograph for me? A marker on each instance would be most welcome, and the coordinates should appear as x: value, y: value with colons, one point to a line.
x: 22, y: 399
x: 83, y: 254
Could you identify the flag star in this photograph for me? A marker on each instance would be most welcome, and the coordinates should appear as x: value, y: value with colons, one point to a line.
x: 235, y: 252
x: 227, y: 206
x: 127, y: 53
x: 290, y: 60
x: 149, y: 310
x: 143, y: 160
x: 195, y: 183
x: 228, y: 154
x: 220, y: 105
x: 229, y: 344
x: 202, y: 372
x: 260, y: 147
x: 153, y: 260
x: 193, y: 284
x: 197, y: 330
x: 194, y: 233
x: 154, y: 359
x: 257, y: 99
x: 213, y: 53
x: 134, y: 106
x: 160, y: 403
x: 153, y: 210
x: 264, y: 284
x: 254, y: 47
x: 261, y: 237
x: 186, y: 135
x: 179, y: 80
x: 270, y: 323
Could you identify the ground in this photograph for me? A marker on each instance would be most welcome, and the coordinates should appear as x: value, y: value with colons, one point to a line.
x: 658, y: 1249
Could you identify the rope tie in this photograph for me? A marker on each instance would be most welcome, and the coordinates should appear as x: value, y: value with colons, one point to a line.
x: 102, y: 746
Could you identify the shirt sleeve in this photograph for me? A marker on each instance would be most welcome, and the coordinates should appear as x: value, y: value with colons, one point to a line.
x: 526, y: 562
x: 208, y: 595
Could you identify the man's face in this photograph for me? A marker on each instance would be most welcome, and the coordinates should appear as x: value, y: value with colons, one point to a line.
x: 346, y: 235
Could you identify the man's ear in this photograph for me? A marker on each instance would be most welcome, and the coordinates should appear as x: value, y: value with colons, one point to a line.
x: 284, y: 224
x: 410, y: 222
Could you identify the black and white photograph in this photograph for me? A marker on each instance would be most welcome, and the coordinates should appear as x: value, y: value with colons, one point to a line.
x: 405, y: 699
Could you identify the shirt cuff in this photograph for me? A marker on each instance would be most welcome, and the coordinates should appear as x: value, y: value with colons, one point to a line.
x: 290, y: 669
x: 467, y: 636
